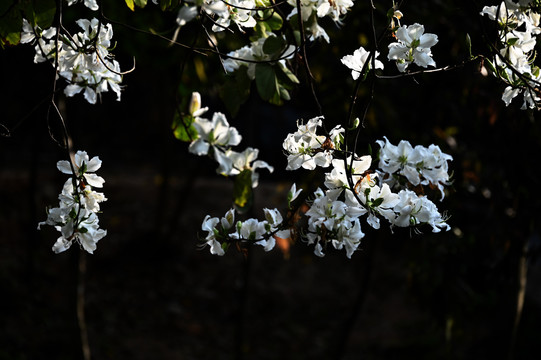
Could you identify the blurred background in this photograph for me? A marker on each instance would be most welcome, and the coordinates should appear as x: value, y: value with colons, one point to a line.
x: 150, y: 292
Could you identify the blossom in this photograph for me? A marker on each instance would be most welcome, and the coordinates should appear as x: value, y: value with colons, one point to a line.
x: 245, y: 160
x: 209, y: 225
x: 413, y: 46
x: 249, y: 55
x: 195, y: 105
x: 412, y: 209
x: 338, y: 177
x: 356, y: 62
x: 306, y: 149
x: 236, y: 11
x: 329, y: 220
x: 91, y: 4
x: 76, y: 215
x: 83, y: 59
x: 403, y: 159
x: 83, y: 166
x: 333, y: 8
x: 419, y: 165
x: 380, y: 201
x: 517, y: 32
x: 213, y: 133
x: 292, y: 194
x: 186, y: 14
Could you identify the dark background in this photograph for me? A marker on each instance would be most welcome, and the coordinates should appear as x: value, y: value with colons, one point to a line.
x: 150, y: 293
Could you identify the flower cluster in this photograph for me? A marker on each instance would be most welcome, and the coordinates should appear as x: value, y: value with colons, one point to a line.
x: 413, y: 46
x: 76, y: 215
x: 215, y: 137
x: 306, y: 149
x: 354, y: 190
x: 249, y: 55
x: 311, y: 10
x: 518, y: 26
x: 222, y: 232
x: 419, y: 165
x: 83, y: 59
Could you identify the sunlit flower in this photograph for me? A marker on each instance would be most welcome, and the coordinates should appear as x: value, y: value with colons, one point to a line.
x: 413, y: 46
x: 356, y: 62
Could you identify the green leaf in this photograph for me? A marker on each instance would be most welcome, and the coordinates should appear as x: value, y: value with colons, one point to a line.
x: 140, y: 3
x: 236, y: 90
x: 377, y: 202
x: 265, y: 80
x: 285, y: 75
x: 242, y: 191
x: 275, y: 21
x: 284, y: 94
x: 491, y: 66
x: 273, y: 45
x: 261, y: 30
x: 262, y: 3
x: 183, y: 128
x: 130, y: 4
x: 11, y: 24
x: 44, y: 12
x: 165, y: 4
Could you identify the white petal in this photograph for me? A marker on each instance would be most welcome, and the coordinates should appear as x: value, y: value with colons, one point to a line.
x: 64, y: 167
x: 94, y: 180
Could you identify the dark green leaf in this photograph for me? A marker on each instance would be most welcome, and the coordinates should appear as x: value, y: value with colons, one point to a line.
x: 242, y: 191
x: 183, y: 128
x: 44, y: 12
x: 265, y: 80
x: 284, y: 94
x: 140, y: 3
x: 273, y: 45
x: 236, y: 90
x: 275, y: 21
x: 285, y: 76
x: 377, y: 202
x: 166, y: 4
x: 11, y: 24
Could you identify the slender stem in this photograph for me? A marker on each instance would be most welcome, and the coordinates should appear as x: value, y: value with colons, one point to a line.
x: 304, y: 57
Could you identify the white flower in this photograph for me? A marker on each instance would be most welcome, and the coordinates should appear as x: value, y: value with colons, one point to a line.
x: 338, y: 177
x: 186, y: 14
x: 403, y: 159
x: 356, y: 62
x: 195, y: 105
x: 214, y: 133
x: 209, y: 225
x: 91, y: 4
x: 413, y: 46
x: 75, y: 217
x: 333, y: 8
x: 412, y: 209
x: 293, y: 194
x: 251, y: 53
x: 83, y: 167
x: 246, y: 160
x: 304, y: 148
x: 251, y: 229
x: 237, y: 11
